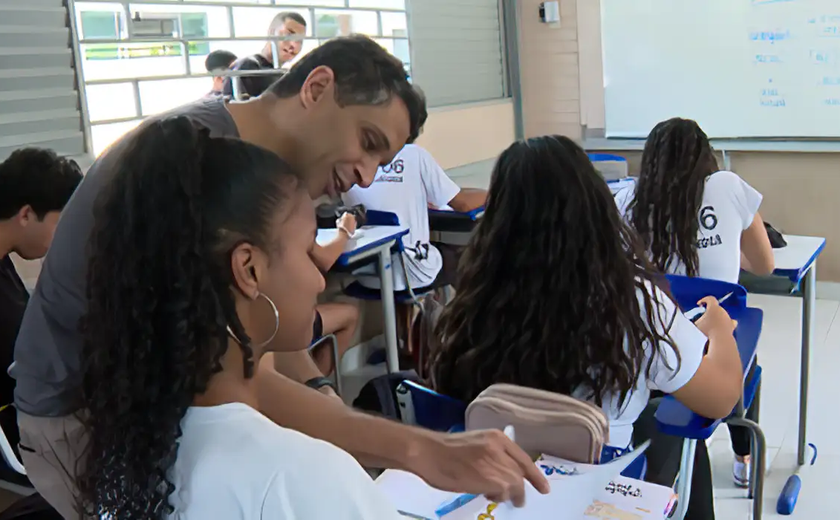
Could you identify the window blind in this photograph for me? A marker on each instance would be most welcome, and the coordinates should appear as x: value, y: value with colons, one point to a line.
x: 456, y: 48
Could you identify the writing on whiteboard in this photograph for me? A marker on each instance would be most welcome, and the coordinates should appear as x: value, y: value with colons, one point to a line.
x: 772, y: 102
x: 832, y: 102
x: 761, y: 2
x: 770, y: 36
x: 821, y: 57
x: 831, y: 81
x: 767, y: 58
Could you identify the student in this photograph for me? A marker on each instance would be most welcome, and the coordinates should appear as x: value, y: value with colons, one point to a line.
x: 697, y: 220
x: 340, y: 319
x: 285, y: 24
x: 168, y: 371
x: 555, y: 293
x: 35, y: 185
x: 333, y: 124
x: 216, y: 63
x: 408, y: 186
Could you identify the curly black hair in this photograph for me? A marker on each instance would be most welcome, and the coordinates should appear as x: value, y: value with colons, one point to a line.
x: 37, y: 177
x: 677, y: 160
x: 554, y: 290
x: 160, y: 300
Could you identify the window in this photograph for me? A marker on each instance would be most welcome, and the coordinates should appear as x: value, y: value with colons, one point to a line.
x: 457, y: 46
x: 144, y: 57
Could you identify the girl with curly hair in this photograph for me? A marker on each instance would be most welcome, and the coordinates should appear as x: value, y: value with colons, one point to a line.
x: 199, y: 267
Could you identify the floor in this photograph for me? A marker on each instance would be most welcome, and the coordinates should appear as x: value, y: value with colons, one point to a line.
x: 778, y: 352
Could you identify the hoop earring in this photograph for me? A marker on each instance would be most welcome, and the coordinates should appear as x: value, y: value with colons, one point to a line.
x: 276, y: 324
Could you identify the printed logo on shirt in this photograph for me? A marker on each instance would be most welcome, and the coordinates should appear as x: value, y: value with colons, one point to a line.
x: 709, y: 221
x: 392, y: 172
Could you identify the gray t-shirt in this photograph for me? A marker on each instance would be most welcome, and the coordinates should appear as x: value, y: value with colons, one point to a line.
x: 48, y: 351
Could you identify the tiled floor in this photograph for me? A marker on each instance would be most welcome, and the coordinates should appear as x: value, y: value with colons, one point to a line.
x: 778, y: 352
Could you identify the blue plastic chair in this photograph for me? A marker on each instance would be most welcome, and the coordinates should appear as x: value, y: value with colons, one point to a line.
x: 675, y: 419
x: 687, y: 291
x: 421, y: 406
x: 424, y: 407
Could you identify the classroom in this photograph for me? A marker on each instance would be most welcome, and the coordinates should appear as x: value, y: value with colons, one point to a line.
x: 565, y: 259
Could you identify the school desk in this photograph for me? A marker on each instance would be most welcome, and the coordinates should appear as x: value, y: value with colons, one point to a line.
x: 453, y: 227
x: 375, y: 242
x: 796, y: 264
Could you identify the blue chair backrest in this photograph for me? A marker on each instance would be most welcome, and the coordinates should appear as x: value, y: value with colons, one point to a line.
x: 689, y: 290
x: 597, y: 157
x: 435, y: 411
x: 382, y: 218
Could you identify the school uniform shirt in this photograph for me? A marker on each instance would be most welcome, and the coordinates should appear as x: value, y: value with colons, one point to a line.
x: 728, y: 209
x: 666, y: 374
x: 236, y: 464
x: 406, y: 187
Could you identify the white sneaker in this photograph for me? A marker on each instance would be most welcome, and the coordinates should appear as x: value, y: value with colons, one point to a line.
x: 741, y: 473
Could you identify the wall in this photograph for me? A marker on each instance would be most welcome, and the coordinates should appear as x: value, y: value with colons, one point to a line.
x: 464, y: 134
x: 563, y: 64
x: 548, y: 58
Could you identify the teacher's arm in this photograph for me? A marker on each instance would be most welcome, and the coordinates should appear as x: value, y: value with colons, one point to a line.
x: 479, y: 462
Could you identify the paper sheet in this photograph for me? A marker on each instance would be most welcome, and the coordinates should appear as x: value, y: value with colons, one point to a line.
x: 574, y: 488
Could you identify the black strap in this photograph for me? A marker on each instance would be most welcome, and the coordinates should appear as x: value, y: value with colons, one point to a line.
x: 317, y: 383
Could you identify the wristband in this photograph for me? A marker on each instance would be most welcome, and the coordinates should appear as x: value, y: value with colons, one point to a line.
x: 317, y: 383
x: 342, y: 228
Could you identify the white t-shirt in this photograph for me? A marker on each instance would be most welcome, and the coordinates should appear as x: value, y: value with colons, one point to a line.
x: 234, y: 463
x: 665, y: 374
x: 406, y: 187
x: 729, y: 207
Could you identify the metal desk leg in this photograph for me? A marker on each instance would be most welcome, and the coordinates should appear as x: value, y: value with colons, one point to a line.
x: 759, y: 463
x: 684, y: 478
x: 809, y: 289
x: 386, y: 281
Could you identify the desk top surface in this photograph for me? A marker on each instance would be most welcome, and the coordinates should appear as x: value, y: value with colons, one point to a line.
x: 446, y: 211
x: 371, y: 237
x: 794, y: 260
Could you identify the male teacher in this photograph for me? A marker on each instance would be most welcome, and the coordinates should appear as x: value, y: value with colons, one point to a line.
x: 342, y: 111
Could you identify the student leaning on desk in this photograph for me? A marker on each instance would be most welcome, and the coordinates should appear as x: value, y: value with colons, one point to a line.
x: 333, y: 124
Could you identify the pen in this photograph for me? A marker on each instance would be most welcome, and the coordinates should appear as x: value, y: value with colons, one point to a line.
x: 462, y: 500
x: 698, y: 312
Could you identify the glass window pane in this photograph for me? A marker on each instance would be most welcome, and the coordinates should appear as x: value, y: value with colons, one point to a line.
x: 379, y: 4
x: 131, y: 60
x: 195, y: 20
x: 394, y: 24
x: 160, y: 96
x: 103, y: 135
x: 334, y: 22
x: 112, y: 101
x: 254, y: 21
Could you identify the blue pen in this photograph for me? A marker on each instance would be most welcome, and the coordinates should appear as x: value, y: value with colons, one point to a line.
x: 462, y: 500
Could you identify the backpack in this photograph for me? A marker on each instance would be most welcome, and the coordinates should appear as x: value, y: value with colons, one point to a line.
x: 544, y: 422
x: 379, y: 395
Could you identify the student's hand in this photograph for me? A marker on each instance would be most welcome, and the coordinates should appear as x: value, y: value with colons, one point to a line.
x: 347, y: 222
x: 715, y: 320
x: 481, y: 463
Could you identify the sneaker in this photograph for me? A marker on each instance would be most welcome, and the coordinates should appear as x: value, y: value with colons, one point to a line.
x: 741, y: 473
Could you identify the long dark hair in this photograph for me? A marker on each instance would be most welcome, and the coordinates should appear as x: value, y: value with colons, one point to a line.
x: 554, y: 290
x: 677, y: 160
x: 159, y: 289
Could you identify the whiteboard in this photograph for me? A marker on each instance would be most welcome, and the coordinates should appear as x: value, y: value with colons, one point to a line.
x: 741, y: 68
